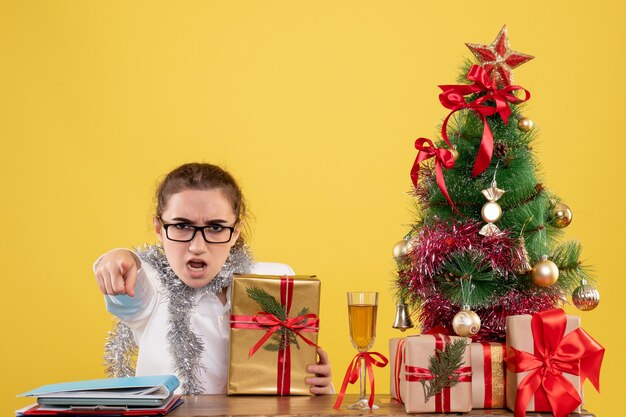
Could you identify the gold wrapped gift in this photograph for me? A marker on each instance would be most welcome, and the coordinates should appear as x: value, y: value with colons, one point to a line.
x: 273, y: 334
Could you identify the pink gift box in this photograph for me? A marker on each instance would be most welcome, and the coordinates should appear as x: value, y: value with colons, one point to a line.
x: 417, y: 353
x: 488, y: 374
x: 396, y: 362
x: 519, y: 335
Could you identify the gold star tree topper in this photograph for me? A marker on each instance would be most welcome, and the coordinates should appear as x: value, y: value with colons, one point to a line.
x: 498, y: 59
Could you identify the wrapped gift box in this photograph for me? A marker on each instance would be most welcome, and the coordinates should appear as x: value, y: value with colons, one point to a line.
x: 265, y: 356
x: 396, y: 362
x: 541, y: 349
x: 488, y: 374
x: 417, y: 353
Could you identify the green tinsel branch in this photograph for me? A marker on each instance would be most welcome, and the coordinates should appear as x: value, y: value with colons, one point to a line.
x: 268, y: 303
x: 467, y: 279
x: 566, y: 256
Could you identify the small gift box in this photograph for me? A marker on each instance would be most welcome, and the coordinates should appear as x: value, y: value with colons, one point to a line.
x: 273, y: 336
x: 437, y: 375
x: 396, y: 362
x: 488, y: 374
x: 548, y: 358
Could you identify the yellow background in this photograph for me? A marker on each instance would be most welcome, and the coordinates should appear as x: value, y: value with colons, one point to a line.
x: 314, y: 106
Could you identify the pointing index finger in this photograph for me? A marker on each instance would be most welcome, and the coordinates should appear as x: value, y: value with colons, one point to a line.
x: 129, y: 274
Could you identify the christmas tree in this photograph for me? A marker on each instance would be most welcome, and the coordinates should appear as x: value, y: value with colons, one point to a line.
x: 486, y: 241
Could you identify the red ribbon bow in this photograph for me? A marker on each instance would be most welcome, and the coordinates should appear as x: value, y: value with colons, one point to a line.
x: 352, y: 374
x: 577, y: 354
x: 438, y: 329
x: 453, y: 98
x: 306, y: 323
x: 443, y: 157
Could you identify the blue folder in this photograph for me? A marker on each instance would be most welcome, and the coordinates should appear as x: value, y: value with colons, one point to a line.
x: 131, y: 391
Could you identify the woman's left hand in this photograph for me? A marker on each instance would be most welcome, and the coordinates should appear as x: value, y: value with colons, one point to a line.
x: 321, y: 383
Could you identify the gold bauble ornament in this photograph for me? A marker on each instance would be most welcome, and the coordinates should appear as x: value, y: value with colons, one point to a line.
x: 491, y: 212
x: 454, y: 152
x: 586, y: 297
x: 545, y: 273
x: 402, y: 249
x: 466, y: 323
x: 525, y: 124
x: 561, y: 215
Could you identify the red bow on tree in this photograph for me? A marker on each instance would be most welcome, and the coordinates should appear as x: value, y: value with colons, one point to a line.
x: 577, y: 354
x: 453, y: 98
x: 443, y: 157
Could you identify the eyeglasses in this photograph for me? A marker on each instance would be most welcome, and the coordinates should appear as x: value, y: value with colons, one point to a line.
x: 185, y: 232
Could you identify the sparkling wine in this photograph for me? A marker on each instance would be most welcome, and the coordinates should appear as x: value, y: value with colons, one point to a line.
x: 362, y: 325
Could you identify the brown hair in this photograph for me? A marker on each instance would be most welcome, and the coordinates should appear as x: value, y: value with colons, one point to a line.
x: 202, y: 176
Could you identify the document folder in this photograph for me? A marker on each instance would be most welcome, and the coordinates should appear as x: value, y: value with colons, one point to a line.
x: 151, y: 391
x: 100, y: 411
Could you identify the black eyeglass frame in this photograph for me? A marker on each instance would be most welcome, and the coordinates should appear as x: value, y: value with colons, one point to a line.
x: 195, y: 230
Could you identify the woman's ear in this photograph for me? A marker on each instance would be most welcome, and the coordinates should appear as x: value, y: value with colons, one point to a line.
x: 157, y: 228
x: 235, y: 235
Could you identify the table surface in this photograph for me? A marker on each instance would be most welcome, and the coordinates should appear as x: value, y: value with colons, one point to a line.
x: 222, y: 405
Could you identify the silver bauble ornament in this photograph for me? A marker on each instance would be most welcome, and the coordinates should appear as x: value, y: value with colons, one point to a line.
x: 466, y: 323
x: 586, y: 297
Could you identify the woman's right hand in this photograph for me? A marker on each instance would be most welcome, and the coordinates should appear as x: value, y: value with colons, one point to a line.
x: 116, y: 272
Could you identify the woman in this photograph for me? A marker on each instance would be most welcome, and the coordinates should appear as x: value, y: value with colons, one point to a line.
x: 175, y: 298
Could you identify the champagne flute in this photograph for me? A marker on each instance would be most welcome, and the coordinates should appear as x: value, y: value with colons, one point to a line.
x: 362, y: 308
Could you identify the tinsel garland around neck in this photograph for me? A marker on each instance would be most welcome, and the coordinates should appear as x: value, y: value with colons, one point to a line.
x: 185, y: 346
